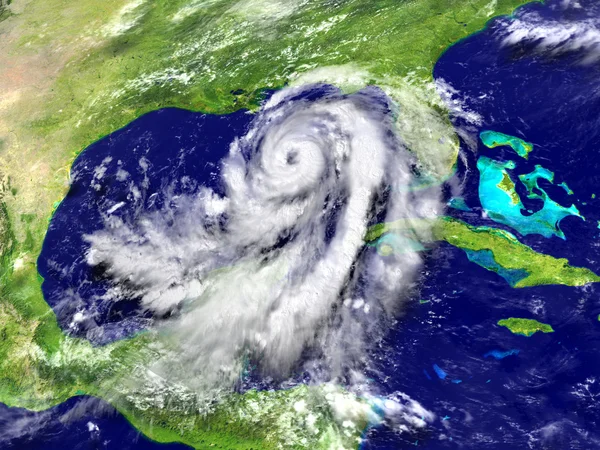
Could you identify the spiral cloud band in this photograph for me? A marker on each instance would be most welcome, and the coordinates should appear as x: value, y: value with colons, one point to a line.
x: 276, y: 269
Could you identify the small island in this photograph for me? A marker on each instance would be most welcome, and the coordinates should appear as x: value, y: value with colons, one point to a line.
x: 493, y: 139
x: 525, y: 327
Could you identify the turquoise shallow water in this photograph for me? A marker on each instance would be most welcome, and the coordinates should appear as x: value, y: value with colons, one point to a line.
x: 485, y: 259
x: 544, y: 396
x: 502, y: 203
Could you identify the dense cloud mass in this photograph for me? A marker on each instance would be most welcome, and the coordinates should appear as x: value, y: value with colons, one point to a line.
x: 556, y: 37
x: 278, y: 265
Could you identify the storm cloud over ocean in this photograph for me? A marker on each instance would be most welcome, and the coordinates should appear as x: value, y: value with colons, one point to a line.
x: 277, y: 264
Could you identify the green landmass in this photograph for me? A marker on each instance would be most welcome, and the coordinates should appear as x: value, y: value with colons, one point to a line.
x: 73, y: 72
x: 508, y: 253
x: 41, y: 367
x: 397, y: 244
x: 508, y: 186
x: 525, y: 327
x: 493, y: 139
x: 65, y: 85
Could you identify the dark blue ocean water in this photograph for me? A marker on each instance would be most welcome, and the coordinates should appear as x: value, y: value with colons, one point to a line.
x: 80, y: 423
x: 136, y: 170
x: 550, y: 100
x: 543, y: 397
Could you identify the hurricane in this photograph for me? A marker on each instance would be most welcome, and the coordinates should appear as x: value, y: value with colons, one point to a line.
x: 275, y: 270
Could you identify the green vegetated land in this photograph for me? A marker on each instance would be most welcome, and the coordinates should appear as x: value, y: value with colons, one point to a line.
x: 494, y: 139
x: 66, y: 84
x: 525, y: 327
x: 507, y: 251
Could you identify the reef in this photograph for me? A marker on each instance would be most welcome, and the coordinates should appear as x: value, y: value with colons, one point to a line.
x: 459, y: 204
x: 65, y: 86
x: 499, y: 354
x: 502, y: 204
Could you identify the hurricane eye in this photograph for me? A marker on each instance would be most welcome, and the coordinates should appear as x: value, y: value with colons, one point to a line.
x: 292, y: 157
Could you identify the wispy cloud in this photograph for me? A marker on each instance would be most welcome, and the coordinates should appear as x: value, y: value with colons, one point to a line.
x: 556, y: 37
x: 275, y: 267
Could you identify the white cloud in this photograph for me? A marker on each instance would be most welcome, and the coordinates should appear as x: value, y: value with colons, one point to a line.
x: 265, y: 11
x: 191, y: 8
x: 261, y: 271
x: 456, y: 102
x: 127, y: 18
x: 570, y: 4
x: 556, y: 37
x: 17, y: 424
x: 93, y: 428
